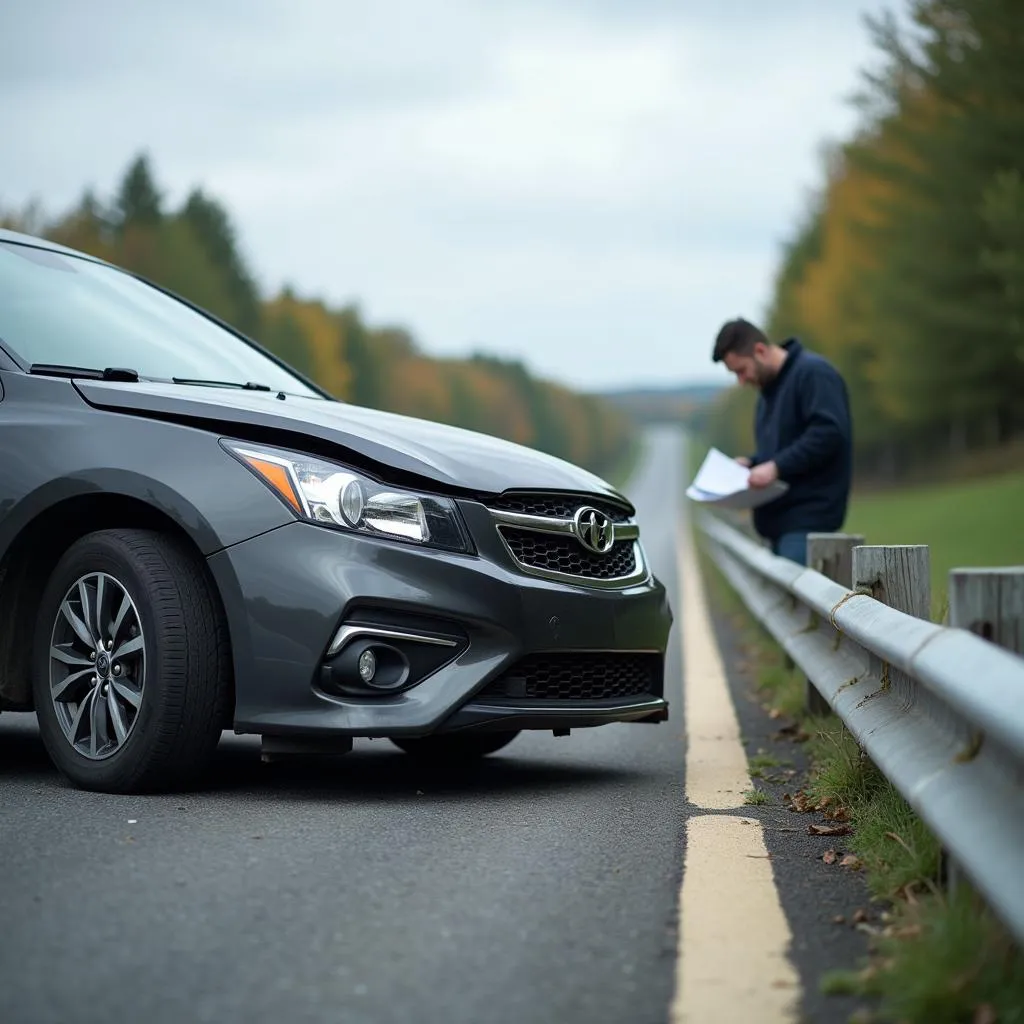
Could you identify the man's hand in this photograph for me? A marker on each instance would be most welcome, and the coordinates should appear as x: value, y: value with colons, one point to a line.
x: 743, y: 460
x: 764, y: 474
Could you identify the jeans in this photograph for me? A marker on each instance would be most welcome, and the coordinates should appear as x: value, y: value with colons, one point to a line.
x: 792, y: 546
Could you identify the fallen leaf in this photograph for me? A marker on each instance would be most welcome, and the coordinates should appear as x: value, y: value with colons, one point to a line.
x: 829, y: 856
x: 775, y: 713
x: 860, y: 915
x: 839, y: 919
x: 984, y: 1014
x: 829, y: 830
x: 802, y: 803
x: 850, y: 861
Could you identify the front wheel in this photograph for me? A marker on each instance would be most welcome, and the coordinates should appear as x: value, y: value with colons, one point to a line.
x: 456, y: 746
x: 131, y: 668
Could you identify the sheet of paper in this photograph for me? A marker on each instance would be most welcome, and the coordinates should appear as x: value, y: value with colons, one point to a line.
x: 721, y: 475
x: 722, y: 481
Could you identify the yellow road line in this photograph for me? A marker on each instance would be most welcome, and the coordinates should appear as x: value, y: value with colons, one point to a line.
x: 716, y: 766
x: 732, y: 963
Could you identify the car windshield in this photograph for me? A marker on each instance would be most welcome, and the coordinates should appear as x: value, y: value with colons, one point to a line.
x: 56, y: 308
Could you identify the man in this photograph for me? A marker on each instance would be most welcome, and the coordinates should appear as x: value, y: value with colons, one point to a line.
x: 804, y: 435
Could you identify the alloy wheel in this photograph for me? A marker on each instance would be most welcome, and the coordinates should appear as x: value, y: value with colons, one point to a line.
x: 97, y: 665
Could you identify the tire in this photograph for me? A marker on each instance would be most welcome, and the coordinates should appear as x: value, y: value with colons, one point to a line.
x: 153, y: 721
x: 454, y: 747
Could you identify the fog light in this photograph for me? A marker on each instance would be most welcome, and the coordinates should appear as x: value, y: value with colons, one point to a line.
x: 367, y: 665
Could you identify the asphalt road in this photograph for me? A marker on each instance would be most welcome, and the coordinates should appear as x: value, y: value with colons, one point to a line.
x: 542, y: 886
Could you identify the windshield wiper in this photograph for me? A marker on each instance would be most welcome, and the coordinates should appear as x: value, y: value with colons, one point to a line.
x: 249, y: 385
x: 63, y: 370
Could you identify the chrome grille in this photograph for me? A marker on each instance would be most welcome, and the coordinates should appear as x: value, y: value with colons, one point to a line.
x: 557, y: 506
x: 564, y: 554
x: 548, y: 535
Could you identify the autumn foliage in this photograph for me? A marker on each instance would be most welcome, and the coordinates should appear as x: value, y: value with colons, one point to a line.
x: 908, y: 269
x: 193, y: 251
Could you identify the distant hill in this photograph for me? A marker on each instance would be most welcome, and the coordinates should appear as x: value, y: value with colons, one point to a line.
x: 658, y: 404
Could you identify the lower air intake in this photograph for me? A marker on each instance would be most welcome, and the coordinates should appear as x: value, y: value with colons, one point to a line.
x: 578, y: 677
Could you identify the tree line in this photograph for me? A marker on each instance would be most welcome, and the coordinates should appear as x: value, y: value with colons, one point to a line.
x: 908, y: 268
x: 193, y: 250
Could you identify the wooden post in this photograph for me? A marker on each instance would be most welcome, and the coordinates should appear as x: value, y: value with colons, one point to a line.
x: 901, y: 578
x: 897, y: 576
x: 831, y: 554
x: 990, y: 603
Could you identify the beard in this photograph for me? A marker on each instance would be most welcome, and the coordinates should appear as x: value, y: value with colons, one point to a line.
x: 763, y: 373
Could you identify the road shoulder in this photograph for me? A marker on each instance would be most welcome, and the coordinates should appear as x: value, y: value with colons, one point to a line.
x: 827, y: 905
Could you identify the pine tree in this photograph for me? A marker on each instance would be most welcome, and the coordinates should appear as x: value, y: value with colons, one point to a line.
x: 139, y: 202
x: 953, y: 107
x: 214, y: 231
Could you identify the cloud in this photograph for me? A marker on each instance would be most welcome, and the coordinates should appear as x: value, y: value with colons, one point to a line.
x: 592, y: 186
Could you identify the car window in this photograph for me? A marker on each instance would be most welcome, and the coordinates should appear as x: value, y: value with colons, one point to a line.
x: 56, y: 308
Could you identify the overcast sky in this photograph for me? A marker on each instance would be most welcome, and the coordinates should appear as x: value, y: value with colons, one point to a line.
x: 590, y: 185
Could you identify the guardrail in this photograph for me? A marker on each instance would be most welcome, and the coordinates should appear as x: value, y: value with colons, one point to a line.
x: 938, y: 708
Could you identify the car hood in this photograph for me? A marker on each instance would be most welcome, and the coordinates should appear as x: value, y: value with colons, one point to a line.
x: 459, y: 460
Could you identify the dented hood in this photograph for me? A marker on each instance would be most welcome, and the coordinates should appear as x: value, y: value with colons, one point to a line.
x: 456, y: 459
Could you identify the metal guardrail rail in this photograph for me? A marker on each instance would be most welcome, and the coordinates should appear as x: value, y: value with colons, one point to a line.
x: 939, y: 709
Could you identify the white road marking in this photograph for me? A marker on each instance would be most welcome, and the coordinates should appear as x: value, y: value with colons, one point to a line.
x: 732, y: 962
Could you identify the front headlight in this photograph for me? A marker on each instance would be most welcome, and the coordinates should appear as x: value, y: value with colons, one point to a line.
x: 333, y: 495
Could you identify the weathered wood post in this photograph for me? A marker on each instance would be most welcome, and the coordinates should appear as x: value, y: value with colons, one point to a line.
x: 899, y: 576
x: 831, y: 554
x: 990, y: 603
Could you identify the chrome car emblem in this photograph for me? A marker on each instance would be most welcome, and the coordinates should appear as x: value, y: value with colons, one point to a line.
x: 594, y: 530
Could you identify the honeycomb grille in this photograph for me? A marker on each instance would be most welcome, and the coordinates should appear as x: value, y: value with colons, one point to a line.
x: 559, y: 506
x: 578, y: 676
x: 563, y: 553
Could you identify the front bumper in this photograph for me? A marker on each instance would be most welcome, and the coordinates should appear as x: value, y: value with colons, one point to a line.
x: 288, y: 592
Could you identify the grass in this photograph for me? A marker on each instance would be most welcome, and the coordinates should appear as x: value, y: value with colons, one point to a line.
x: 968, y: 524
x: 948, y: 963
x: 757, y: 797
x: 763, y: 760
x: 937, y: 958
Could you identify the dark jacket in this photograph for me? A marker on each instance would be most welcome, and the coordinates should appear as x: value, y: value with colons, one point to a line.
x: 803, y: 424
